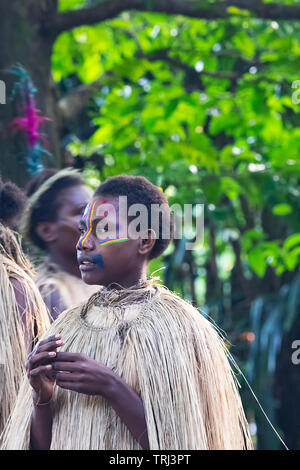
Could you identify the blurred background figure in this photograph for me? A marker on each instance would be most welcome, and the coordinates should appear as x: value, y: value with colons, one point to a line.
x: 56, y: 202
x: 23, y: 314
x: 12, y: 204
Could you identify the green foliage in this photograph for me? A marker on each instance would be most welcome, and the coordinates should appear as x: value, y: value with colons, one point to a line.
x: 204, y: 107
x: 70, y: 4
x: 272, y: 316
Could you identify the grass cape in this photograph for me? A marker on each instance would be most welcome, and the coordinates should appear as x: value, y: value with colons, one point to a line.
x: 167, y: 352
x: 13, y: 353
x: 72, y: 290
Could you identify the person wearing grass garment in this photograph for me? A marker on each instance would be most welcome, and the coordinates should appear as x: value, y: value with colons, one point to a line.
x: 136, y: 366
x: 50, y: 224
x: 23, y: 315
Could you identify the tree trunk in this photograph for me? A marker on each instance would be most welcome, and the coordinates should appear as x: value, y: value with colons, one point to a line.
x: 25, y: 41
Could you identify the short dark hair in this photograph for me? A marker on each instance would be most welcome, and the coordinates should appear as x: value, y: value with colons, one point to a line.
x: 139, y: 189
x: 48, y: 204
x: 12, y: 202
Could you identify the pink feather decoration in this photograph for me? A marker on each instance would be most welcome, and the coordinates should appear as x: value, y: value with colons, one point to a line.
x: 30, y: 123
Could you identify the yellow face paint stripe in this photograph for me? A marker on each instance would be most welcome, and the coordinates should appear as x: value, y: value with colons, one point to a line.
x: 89, y: 229
x: 89, y: 225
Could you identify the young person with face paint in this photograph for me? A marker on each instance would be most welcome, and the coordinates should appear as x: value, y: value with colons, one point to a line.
x: 135, y: 366
x: 23, y: 315
x: 56, y: 201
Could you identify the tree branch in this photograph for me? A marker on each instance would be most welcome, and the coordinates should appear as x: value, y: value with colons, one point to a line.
x: 163, y: 55
x: 88, y: 16
x: 108, y: 9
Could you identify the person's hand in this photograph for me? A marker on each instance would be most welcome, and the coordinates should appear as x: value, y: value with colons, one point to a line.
x: 39, y: 369
x: 82, y: 374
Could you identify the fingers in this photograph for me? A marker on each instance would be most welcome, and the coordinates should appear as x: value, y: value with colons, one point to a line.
x: 43, y: 352
x: 65, y: 366
x: 49, y: 344
x: 50, y: 338
x: 68, y: 357
x: 62, y: 377
x: 74, y: 386
x: 39, y: 359
x: 39, y: 370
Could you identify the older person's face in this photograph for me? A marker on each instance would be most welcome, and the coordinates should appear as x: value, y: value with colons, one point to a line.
x: 72, y: 202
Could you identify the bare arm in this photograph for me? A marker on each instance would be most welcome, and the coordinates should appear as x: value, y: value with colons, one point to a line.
x: 129, y: 407
x: 54, y: 303
x: 41, y: 427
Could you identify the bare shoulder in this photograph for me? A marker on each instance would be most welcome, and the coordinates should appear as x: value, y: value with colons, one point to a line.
x: 19, y: 291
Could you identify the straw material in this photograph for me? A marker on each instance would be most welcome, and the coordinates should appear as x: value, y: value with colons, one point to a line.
x: 13, y: 330
x: 167, y: 352
x: 72, y: 290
